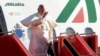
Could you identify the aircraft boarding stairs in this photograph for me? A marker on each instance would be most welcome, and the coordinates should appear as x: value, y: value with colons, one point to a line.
x: 77, y: 45
x: 72, y: 45
x: 10, y: 45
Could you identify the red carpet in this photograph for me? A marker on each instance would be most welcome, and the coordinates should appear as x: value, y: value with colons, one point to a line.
x: 10, y: 45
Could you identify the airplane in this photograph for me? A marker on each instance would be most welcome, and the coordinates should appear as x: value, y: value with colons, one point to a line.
x: 12, y: 12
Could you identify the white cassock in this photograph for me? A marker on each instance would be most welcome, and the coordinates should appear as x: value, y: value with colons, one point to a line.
x: 41, y: 34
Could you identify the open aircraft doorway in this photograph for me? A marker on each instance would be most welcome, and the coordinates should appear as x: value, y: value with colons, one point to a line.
x: 3, y: 27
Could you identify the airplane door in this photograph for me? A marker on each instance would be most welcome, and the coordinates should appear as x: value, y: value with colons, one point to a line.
x: 3, y: 27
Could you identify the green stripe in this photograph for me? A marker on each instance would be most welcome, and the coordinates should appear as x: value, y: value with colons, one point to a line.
x: 67, y: 11
x: 99, y: 1
x: 91, y: 11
